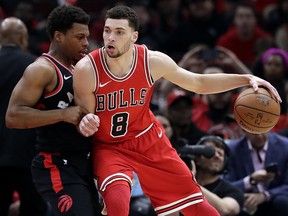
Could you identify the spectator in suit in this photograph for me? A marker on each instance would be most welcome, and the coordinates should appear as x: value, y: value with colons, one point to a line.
x: 266, y: 190
x: 16, y: 146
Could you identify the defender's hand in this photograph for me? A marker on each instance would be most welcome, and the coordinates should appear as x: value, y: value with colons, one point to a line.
x: 73, y: 114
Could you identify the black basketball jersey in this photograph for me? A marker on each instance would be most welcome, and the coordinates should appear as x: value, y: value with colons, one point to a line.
x: 61, y: 136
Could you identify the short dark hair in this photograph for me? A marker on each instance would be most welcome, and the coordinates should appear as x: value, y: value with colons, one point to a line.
x: 218, y: 142
x: 63, y: 17
x: 245, y: 5
x: 124, y: 12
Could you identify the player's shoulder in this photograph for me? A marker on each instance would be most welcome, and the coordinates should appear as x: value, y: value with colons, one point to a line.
x: 157, y: 57
x: 155, y: 54
x: 83, y: 63
x: 40, y: 66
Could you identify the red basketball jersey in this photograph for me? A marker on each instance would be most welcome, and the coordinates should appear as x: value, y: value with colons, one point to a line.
x: 122, y: 103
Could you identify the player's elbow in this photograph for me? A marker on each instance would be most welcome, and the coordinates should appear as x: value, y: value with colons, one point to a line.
x: 11, y: 119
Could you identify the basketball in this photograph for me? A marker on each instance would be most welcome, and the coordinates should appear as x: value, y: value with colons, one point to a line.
x: 256, y: 112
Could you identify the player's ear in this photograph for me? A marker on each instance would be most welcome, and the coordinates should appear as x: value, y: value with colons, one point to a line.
x: 58, y: 36
x: 135, y: 36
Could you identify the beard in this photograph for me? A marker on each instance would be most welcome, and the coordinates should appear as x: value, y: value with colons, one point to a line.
x: 213, y: 171
x: 119, y: 53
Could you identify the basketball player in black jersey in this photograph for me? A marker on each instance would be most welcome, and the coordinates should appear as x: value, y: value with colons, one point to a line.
x: 44, y: 99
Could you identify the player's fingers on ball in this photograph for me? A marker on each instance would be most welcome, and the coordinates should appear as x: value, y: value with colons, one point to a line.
x: 278, y: 98
x: 254, y: 85
x: 274, y: 94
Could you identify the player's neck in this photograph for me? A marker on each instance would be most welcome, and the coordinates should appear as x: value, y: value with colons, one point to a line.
x: 121, y: 65
x: 205, y: 178
x: 57, y: 54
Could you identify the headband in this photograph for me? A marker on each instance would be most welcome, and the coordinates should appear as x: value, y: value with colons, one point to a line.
x: 276, y: 51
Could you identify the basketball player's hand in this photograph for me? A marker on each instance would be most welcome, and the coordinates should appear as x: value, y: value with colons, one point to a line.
x: 73, y: 114
x: 89, y: 125
x: 256, y: 81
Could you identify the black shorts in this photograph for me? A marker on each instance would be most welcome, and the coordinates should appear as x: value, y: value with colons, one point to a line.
x: 66, y: 182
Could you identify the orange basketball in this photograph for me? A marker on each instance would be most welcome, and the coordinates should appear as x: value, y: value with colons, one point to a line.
x: 256, y: 112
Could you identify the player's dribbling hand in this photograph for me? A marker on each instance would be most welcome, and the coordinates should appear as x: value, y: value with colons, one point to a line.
x: 89, y: 125
x: 255, y: 82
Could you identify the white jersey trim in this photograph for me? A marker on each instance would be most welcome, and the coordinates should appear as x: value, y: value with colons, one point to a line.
x: 170, y: 208
x: 115, y: 177
x: 144, y: 131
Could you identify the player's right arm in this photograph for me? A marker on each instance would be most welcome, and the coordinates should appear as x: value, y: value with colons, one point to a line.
x: 39, y: 77
x: 84, y: 84
x: 162, y: 66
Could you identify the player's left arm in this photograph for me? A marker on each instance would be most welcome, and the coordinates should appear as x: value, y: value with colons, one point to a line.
x: 162, y: 65
x: 83, y: 85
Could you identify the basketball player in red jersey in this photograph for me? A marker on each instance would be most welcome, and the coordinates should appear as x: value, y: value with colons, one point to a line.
x: 115, y: 84
x: 44, y: 99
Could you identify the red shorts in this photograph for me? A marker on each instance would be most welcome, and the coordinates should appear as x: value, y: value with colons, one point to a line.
x: 164, y: 177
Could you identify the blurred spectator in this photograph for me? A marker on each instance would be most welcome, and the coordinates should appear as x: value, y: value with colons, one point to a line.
x: 242, y: 36
x: 204, y: 26
x: 275, y: 16
x: 266, y: 189
x: 16, y: 146
x: 229, y: 9
x: 177, y: 142
x: 262, y: 5
x: 230, y: 62
x: 273, y: 67
x: 215, y: 112
x: 38, y: 38
x: 2, y: 13
x: 261, y: 46
x: 8, y: 6
x: 170, y: 16
x: 148, y: 31
x: 190, y: 61
x: 179, y: 109
x: 281, y: 37
x: 226, y: 198
x: 199, y: 57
